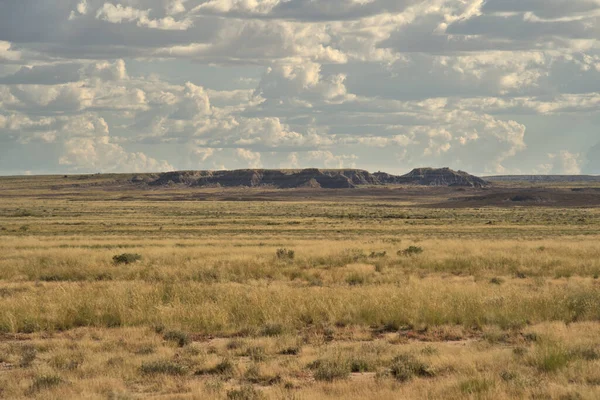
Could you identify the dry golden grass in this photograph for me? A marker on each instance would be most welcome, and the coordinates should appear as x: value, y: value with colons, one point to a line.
x: 501, y: 310
x: 139, y: 362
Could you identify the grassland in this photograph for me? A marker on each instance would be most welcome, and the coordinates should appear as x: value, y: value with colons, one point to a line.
x: 500, y: 303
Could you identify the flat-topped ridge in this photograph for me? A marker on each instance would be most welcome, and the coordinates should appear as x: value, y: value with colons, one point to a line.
x: 312, y: 177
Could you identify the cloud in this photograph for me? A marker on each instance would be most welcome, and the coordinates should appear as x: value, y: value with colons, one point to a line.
x: 192, y: 105
x: 562, y: 163
x: 107, y: 71
x: 99, y: 154
x: 542, y: 8
x: 523, y: 30
x: 302, y: 80
x: 330, y: 160
x: 7, y: 53
x: 249, y: 157
x: 117, y: 14
x: 82, y: 7
x: 304, y: 10
x: 55, y: 74
x: 255, y: 132
x: 486, y: 86
x: 24, y: 129
x: 52, y: 74
x: 69, y: 97
x: 203, y: 154
x: 291, y: 162
x: 257, y: 41
x: 464, y: 28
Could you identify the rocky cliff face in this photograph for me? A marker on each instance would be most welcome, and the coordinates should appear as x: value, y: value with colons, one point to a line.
x: 316, y: 178
x: 442, y: 177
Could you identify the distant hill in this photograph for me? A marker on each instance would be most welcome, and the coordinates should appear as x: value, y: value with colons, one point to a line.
x: 440, y: 177
x: 543, y: 178
x: 315, y: 178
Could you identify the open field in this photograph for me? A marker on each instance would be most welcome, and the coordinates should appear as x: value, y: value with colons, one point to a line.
x: 389, y: 293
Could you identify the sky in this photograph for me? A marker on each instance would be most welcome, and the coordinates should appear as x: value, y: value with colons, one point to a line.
x: 490, y: 87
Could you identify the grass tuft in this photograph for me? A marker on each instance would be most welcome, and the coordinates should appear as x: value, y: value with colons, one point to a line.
x: 285, y: 254
x: 476, y: 386
x: 330, y: 369
x: 224, y: 369
x: 410, y: 251
x: 28, y: 356
x: 245, y: 393
x: 126, y: 258
x: 550, y: 357
x: 45, y: 382
x: 181, y: 338
x: 272, y: 330
x: 163, y: 367
x: 406, y: 366
x: 496, y: 281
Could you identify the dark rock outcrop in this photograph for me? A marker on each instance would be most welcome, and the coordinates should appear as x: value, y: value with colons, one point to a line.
x: 441, y: 177
x: 316, y: 178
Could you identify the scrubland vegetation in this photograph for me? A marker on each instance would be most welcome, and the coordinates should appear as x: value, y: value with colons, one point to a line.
x: 108, y: 298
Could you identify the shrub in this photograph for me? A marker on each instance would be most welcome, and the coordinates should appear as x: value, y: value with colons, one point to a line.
x: 508, y: 376
x: 330, y: 369
x: 290, y: 351
x: 235, y: 344
x: 520, y: 275
x: 519, y: 351
x: 495, y: 337
x: 207, y: 276
x: 586, y: 353
x: 103, y: 276
x: 28, y: 354
x: 224, y: 368
x: 254, y: 375
x: 24, y: 213
x: 375, y: 254
x: 550, y: 357
x: 353, y: 255
x: 429, y: 350
x: 115, y: 362
x: 285, y: 254
x: 64, y: 276
x: 405, y: 366
x: 476, y: 386
x: 256, y: 353
x: 67, y: 362
x: 145, y: 349
x: 181, y: 338
x: 356, y: 279
x: 531, y: 337
x: 358, y: 364
x: 411, y: 251
x: 126, y: 258
x: 163, y: 367
x: 245, y: 393
x: 496, y: 281
x: 272, y: 330
x: 45, y: 382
